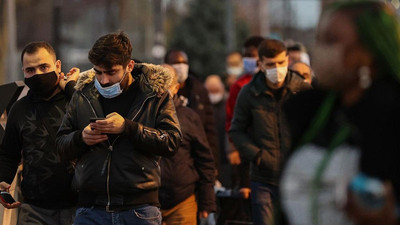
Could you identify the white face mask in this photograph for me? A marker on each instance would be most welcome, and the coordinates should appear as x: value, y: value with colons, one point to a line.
x: 276, y: 75
x: 215, y: 97
x: 182, y: 71
x: 234, y: 70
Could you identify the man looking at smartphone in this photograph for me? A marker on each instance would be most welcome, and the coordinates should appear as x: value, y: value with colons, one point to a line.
x: 117, y: 172
x: 30, y: 136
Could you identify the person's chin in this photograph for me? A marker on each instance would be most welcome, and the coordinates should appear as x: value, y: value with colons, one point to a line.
x: 276, y: 86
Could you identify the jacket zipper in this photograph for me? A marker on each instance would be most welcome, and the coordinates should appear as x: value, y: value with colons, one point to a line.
x: 107, y: 162
x: 134, y: 117
x: 90, y: 104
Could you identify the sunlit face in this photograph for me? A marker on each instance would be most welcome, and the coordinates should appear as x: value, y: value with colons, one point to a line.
x: 40, y: 62
x: 214, y: 85
x: 336, y: 52
x: 251, y: 52
x: 113, y: 75
x: 234, y: 60
x: 303, y: 70
x: 280, y: 60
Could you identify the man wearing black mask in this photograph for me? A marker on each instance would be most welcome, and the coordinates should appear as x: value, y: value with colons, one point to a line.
x: 30, y: 132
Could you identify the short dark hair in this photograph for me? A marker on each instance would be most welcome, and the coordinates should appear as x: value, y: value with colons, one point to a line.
x: 294, y: 48
x: 33, y: 47
x: 111, y: 49
x: 271, y: 48
x: 169, y: 52
x: 253, y: 41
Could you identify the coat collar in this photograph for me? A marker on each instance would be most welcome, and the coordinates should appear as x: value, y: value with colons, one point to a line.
x: 152, y: 80
x: 292, y: 83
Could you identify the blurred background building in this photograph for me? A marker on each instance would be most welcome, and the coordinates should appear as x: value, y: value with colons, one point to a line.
x: 206, y: 29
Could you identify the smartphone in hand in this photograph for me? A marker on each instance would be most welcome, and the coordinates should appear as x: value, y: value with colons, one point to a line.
x: 6, y: 197
x: 93, y: 119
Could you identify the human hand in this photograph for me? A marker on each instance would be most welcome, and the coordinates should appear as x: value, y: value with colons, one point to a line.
x: 73, y: 74
x: 245, y: 192
x: 92, y: 136
x: 203, y: 214
x: 113, y: 124
x: 234, y: 157
x: 362, y: 216
x: 6, y: 187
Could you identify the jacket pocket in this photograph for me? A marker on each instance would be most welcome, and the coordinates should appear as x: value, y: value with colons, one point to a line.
x: 269, y: 160
x: 147, y: 213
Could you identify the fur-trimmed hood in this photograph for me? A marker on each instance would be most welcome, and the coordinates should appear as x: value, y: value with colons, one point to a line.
x: 156, y: 77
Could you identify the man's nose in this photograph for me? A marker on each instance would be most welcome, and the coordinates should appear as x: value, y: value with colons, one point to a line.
x: 104, y: 80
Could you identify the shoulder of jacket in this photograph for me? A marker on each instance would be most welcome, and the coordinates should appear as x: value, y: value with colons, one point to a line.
x: 158, y: 78
x: 84, y: 79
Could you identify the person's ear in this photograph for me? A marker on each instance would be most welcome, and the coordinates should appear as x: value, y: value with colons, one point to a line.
x: 131, y: 65
x: 58, y: 67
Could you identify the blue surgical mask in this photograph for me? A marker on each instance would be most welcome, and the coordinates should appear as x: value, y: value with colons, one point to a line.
x: 110, y: 91
x: 250, y: 65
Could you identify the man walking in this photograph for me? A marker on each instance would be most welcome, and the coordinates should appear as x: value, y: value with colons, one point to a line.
x: 30, y: 136
x: 258, y: 128
x: 117, y: 152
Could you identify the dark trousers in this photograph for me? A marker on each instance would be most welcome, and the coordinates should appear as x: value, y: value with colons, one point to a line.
x: 30, y: 214
x: 262, y: 198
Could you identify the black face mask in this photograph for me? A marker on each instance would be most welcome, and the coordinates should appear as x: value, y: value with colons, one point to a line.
x: 42, y: 85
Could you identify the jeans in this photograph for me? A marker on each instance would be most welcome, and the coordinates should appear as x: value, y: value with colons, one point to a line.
x: 262, y: 197
x: 146, y: 215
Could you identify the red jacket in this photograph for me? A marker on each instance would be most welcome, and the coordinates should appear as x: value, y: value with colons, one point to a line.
x: 233, y: 93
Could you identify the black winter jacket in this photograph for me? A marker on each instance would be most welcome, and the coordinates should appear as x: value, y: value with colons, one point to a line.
x: 191, y: 169
x: 259, y: 129
x: 126, y: 172
x: 30, y: 135
x: 198, y: 100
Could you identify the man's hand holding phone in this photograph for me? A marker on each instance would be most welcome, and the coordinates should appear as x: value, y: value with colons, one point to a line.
x: 5, y: 197
x: 92, y: 136
x: 112, y: 124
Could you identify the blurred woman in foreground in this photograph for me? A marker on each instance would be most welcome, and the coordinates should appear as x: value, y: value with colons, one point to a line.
x: 345, y: 168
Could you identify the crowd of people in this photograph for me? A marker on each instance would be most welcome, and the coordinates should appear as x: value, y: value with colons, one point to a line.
x: 281, y: 137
